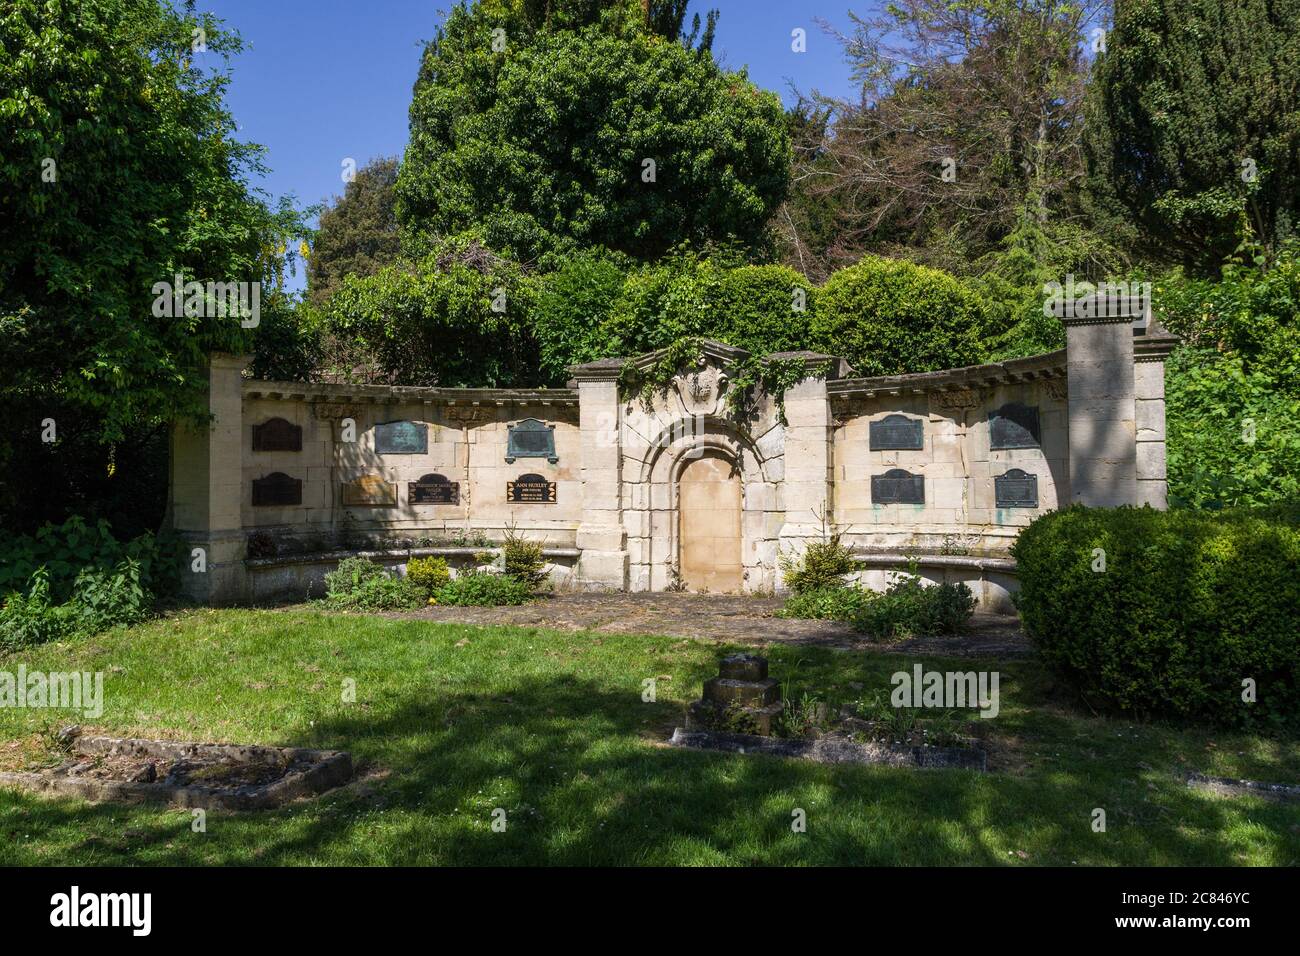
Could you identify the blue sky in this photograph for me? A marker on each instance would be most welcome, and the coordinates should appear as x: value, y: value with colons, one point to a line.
x: 326, y: 80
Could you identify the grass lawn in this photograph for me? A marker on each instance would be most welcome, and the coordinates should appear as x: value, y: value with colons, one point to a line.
x: 455, y: 721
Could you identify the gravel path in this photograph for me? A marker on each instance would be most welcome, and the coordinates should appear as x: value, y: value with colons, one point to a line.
x: 726, y: 617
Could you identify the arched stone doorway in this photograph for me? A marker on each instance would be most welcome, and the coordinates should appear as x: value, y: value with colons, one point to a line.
x: 709, y: 531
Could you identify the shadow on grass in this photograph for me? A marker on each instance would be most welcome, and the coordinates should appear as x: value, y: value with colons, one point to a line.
x: 583, y: 778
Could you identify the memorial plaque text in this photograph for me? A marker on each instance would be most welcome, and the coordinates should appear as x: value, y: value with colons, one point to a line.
x: 433, y: 490
x: 1013, y: 426
x: 530, y: 489
x: 276, y: 489
x: 897, y: 487
x: 897, y: 432
x: 402, y: 438
x: 276, y: 434
x: 531, y: 439
x: 1016, y: 489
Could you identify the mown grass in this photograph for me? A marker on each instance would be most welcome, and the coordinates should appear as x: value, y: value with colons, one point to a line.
x: 456, y: 721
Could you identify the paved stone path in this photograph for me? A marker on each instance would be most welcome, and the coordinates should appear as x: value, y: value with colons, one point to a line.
x: 727, y: 617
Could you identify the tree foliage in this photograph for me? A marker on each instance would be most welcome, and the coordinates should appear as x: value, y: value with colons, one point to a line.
x: 357, y: 235
x: 1194, y: 124
x: 606, y: 135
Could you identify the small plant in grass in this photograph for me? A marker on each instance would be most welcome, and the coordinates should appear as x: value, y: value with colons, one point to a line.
x: 430, y: 575
x: 361, y: 584
x: 483, y: 589
x: 808, y: 716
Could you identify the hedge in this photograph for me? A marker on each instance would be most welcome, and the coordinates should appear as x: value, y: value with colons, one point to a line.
x: 1168, y: 614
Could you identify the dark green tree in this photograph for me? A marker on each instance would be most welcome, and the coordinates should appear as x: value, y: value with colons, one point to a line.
x: 1193, y: 124
x: 358, y: 234
x: 606, y: 135
x: 118, y: 171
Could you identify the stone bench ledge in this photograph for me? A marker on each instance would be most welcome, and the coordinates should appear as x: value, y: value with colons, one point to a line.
x: 393, y: 554
x: 965, y: 561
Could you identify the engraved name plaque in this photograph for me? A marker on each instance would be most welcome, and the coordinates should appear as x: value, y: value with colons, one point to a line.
x: 276, y: 434
x: 1016, y: 489
x: 276, y: 490
x: 369, y: 491
x: 402, y: 438
x: 433, y: 490
x: 531, y: 439
x: 897, y: 432
x: 897, y: 487
x: 530, y: 489
x: 1013, y: 426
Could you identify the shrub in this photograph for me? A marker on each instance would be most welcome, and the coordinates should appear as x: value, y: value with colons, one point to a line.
x: 428, y: 574
x: 911, y: 608
x: 908, y: 607
x: 522, y: 560
x: 483, y: 589
x: 889, y: 317
x: 1189, y: 605
x: 360, y: 584
x: 837, y: 603
x: 822, y: 565
x: 32, y: 618
x: 66, y: 550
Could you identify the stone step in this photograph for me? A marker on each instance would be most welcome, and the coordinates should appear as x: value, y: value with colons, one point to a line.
x: 743, y: 667
x: 707, y: 715
x: 749, y: 693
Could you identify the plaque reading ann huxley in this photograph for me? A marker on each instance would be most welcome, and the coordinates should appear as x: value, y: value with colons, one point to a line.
x: 530, y: 489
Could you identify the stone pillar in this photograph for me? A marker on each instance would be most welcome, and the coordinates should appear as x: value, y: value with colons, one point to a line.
x: 1102, y: 405
x: 601, y: 536
x: 1149, y: 383
x: 808, y: 481
x: 206, y: 487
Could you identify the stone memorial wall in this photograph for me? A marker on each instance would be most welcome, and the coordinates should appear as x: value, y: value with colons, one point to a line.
x: 678, y: 489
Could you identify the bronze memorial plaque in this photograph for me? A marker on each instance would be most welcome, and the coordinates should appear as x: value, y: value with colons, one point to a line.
x: 530, y: 489
x: 402, y: 438
x: 369, y: 491
x: 1013, y: 426
x: 897, y: 432
x: 531, y: 439
x: 276, y: 434
x: 897, y: 487
x: 1016, y: 489
x: 433, y: 490
x: 276, y: 489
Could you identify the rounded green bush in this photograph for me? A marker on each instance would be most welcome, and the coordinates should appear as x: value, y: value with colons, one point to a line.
x: 1168, y: 614
x: 889, y: 317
